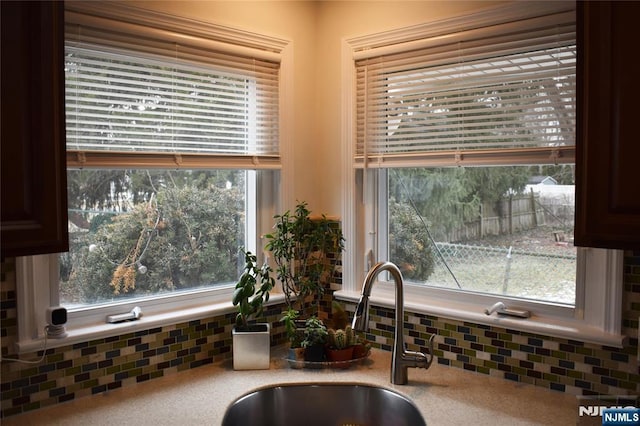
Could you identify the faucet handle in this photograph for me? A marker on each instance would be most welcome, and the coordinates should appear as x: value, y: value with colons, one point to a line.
x: 420, y: 359
x: 431, y: 355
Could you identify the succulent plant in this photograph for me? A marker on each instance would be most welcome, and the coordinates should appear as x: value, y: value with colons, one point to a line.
x: 315, y: 332
x: 341, y: 338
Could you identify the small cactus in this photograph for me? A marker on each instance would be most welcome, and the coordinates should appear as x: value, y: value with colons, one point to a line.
x: 341, y: 338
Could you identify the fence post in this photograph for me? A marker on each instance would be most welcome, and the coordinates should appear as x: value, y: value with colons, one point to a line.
x: 511, y: 214
x: 533, y: 209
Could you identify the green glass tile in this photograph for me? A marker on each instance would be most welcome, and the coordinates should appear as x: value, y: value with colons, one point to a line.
x: 519, y: 371
x: 490, y: 364
x: 505, y: 337
x: 135, y: 372
x: 483, y: 370
x: 128, y: 366
x: 29, y: 372
x: 628, y: 385
x: 47, y: 385
x: 156, y: 374
x: 450, y: 327
x: 550, y: 377
x: 574, y: 374
x: 484, y: 340
x: 528, y: 380
x: 617, y: 374
x: 113, y: 369
x: 535, y: 358
x: 72, y: 371
x: 12, y: 411
x: 470, y: 352
x: 559, y: 354
x: 57, y: 357
x: 512, y: 345
x: 90, y: 384
x: 96, y: 342
x: 119, y: 344
x: 31, y: 406
x: 584, y: 351
x: 491, y: 349
x: 11, y: 394
x: 136, y: 356
x: 457, y: 364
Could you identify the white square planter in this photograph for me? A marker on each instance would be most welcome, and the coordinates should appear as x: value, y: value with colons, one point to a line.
x: 252, y: 349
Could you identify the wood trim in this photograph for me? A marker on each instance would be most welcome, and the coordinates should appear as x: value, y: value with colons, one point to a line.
x: 158, y: 160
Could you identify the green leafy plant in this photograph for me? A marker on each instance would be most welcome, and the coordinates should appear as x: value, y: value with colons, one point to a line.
x: 252, y: 290
x: 294, y: 334
x: 315, y: 332
x: 301, y: 248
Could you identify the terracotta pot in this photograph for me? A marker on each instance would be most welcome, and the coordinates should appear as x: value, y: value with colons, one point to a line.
x: 360, y: 350
x: 340, y: 358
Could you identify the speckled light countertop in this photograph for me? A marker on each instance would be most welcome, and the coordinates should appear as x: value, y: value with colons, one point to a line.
x: 446, y: 396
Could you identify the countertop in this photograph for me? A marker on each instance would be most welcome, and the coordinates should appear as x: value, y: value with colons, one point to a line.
x: 445, y: 395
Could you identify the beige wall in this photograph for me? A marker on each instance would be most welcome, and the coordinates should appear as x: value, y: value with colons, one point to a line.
x: 316, y: 29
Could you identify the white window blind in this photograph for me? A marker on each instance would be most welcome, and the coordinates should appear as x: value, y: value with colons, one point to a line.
x: 136, y: 91
x: 485, y: 96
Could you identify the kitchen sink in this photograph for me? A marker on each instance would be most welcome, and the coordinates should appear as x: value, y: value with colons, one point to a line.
x: 323, y: 404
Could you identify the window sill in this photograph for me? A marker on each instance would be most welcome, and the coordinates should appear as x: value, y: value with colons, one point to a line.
x: 564, y: 328
x: 157, y: 319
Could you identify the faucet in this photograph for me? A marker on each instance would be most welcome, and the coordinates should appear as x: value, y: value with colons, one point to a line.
x: 401, y: 359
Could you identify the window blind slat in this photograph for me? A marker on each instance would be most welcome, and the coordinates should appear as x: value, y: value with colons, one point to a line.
x: 514, y: 89
x: 148, y: 95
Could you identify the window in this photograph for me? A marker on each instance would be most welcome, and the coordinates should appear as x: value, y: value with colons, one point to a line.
x: 451, y: 131
x: 469, y: 229
x: 174, y: 156
x: 142, y: 233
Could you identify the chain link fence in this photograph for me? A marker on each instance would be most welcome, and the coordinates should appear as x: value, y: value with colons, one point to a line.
x: 504, y: 270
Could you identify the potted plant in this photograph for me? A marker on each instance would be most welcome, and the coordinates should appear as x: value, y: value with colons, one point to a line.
x: 340, y: 321
x: 295, y: 335
x: 361, y: 347
x: 340, y: 346
x: 301, y: 247
x: 252, y: 341
x: 315, y: 337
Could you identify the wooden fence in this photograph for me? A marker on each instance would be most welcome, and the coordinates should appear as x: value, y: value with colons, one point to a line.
x: 513, y: 214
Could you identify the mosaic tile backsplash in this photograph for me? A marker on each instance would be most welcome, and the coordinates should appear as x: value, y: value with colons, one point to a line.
x: 97, y: 366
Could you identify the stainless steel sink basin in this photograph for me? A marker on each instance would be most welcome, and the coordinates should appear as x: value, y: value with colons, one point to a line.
x: 323, y: 404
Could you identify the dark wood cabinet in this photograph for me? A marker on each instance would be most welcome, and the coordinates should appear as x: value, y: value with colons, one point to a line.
x: 34, y: 200
x: 608, y: 124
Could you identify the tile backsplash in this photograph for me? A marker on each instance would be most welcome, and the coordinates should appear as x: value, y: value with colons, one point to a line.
x: 99, y: 365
